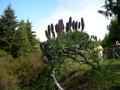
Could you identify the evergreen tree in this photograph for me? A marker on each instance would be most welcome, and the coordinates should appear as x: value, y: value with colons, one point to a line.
x: 34, y: 43
x: 112, y: 36
x: 22, y: 44
x: 112, y: 8
x: 8, y: 24
x: 16, y: 39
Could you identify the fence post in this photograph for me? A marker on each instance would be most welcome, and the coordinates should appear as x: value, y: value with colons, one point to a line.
x: 113, y: 53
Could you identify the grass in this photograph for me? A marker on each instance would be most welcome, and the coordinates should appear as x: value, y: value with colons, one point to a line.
x: 82, y: 77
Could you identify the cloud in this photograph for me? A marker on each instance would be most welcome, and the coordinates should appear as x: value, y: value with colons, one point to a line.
x: 95, y: 24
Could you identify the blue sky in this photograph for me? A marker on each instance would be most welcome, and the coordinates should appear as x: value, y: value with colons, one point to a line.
x: 44, y: 12
x: 34, y: 10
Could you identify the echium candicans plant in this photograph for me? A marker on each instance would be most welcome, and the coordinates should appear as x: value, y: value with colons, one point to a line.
x: 69, y: 41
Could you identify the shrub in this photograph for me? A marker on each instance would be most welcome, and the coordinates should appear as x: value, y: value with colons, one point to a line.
x: 20, y: 73
x: 2, y: 53
x: 8, y: 81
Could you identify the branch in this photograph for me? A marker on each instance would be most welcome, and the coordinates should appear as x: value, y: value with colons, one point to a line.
x: 85, y: 59
x: 92, y: 56
x: 55, y: 81
x: 75, y: 59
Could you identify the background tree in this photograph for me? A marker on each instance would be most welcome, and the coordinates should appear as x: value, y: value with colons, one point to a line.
x: 8, y: 24
x: 16, y: 39
x: 113, y: 35
x: 22, y: 44
x: 112, y: 8
x: 25, y: 41
x: 34, y: 43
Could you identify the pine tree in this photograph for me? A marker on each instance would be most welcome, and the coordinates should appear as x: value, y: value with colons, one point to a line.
x: 8, y: 24
x: 22, y: 44
x: 32, y: 37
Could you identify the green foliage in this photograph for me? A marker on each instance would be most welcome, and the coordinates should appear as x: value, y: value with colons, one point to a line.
x: 43, y: 81
x: 113, y: 31
x: 7, y: 79
x: 25, y: 73
x: 111, y: 8
x: 63, y: 42
x: 105, y: 41
x: 8, y: 23
x: 70, y: 43
x: 4, y: 44
x: 2, y: 53
x: 27, y: 70
x: 16, y: 39
x: 113, y: 34
x: 105, y: 78
x: 22, y: 44
x: 32, y: 38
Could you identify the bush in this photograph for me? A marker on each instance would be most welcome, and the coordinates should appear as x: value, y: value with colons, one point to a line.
x: 20, y: 73
x: 2, y: 53
x: 27, y: 69
x: 8, y: 81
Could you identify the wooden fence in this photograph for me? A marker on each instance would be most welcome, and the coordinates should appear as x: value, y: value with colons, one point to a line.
x: 112, y: 53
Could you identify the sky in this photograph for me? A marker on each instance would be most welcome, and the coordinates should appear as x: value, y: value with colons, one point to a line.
x: 44, y: 12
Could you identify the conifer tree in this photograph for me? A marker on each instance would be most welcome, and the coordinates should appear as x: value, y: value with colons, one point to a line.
x: 22, y: 44
x: 8, y: 24
x: 32, y: 37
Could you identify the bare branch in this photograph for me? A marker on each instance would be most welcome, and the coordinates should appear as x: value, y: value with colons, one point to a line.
x: 55, y: 81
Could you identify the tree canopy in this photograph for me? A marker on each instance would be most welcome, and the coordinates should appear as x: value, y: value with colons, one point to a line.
x: 112, y: 9
x: 16, y: 38
x: 8, y: 24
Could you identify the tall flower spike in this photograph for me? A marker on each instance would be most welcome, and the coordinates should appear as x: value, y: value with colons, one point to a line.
x: 49, y: 30
x: 82, y: 24
x: 95, y: 38
x: 53, y: 34
x: 76, y: 25
x: 52, y: 28
x: 47, y: 34
x: 59, y: 26
x: 79, y: 25
x: 73, y: 25
x: 62, y: 25
x: 70, y: 21
x: 56, y: 28
x: 67, y: 27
